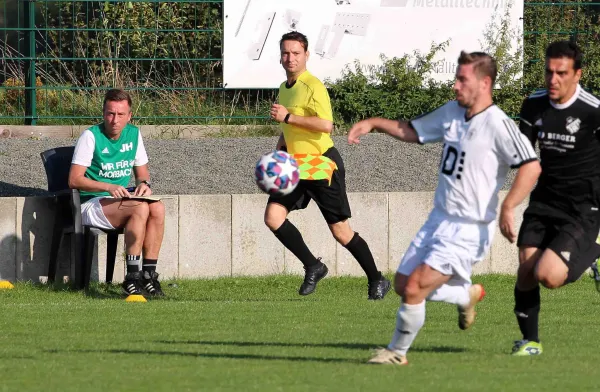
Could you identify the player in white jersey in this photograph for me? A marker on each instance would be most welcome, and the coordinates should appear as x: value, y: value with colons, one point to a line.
x: 481, y: 144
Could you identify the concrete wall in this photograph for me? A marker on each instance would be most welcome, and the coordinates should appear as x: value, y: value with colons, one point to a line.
x: 224, y: 235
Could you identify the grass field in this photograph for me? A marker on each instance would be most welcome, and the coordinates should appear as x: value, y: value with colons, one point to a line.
x: 257, y: 334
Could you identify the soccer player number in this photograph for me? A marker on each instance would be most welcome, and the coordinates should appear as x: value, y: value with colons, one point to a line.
x: 450, y: 160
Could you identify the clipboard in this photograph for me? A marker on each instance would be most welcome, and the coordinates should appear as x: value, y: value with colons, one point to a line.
x: 143, y: 198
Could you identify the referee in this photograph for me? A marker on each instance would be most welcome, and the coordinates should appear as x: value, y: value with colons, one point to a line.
x: 306, y: 118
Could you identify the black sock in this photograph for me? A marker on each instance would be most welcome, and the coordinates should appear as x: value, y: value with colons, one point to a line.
x: 527, y: 310
x: 149, y: 265
x: 361, y: 252
x: 133, y: 263
x: 291, y: 238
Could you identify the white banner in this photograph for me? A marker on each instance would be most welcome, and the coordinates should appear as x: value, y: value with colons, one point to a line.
x: 342, y: 31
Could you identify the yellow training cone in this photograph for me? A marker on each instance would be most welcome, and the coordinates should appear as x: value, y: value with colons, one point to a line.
x: 135, y: 298
x: 5, y: 284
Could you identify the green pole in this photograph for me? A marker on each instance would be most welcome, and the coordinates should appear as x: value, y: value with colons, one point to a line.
x: 30, y: 87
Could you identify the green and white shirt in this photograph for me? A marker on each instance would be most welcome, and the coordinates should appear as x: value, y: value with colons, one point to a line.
x: 108, y: 160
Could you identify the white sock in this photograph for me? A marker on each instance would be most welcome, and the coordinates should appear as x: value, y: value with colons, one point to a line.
x: 409, y: 321
x: 452, y: 294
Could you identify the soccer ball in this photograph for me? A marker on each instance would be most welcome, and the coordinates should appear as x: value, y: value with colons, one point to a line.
x: 277, y: 173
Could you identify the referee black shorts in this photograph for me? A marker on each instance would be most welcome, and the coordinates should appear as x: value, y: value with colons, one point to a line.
x: 573, y: 239
x: 331, y: 199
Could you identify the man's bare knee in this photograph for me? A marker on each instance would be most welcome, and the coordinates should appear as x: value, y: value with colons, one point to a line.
x: 342, y: 232
x: 412, y: 290
x: 275, y: 216
x: 272, y: 222
x: 551, y: 280
x: 157, y: 210
x: 551, y: 271
x: 142, y: 210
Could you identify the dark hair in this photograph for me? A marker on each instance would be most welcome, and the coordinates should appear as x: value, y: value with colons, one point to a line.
x: 117, y: 95
x: 566, y: 49
x: 295, y: 36
x: 483, y: 63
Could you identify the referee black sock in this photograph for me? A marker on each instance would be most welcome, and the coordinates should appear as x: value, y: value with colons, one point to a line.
x: 527, y: 310
x: 361, y: 252
x: 291, y: 238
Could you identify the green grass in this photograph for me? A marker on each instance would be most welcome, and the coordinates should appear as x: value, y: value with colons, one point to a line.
x: 257, y: 334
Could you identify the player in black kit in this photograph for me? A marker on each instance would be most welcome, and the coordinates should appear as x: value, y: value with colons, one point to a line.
x: 557, y: 239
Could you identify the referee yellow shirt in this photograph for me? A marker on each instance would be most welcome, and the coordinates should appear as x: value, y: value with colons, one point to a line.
x: 308, y: 97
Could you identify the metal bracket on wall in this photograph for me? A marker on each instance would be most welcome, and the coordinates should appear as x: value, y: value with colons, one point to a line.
x: 291, y: 19
x: 320, y: 46
x: 264, y: 24
x: 347, y: 23
x: 242, y: 18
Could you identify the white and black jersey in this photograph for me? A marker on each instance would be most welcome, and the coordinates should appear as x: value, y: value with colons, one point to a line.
x: 477, y: 155
x: 567, y: 135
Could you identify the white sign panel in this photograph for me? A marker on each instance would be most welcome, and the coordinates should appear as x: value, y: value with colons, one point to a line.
x: 342, y: 31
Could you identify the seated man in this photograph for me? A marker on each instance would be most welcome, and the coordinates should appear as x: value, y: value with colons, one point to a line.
x: 104, y: 158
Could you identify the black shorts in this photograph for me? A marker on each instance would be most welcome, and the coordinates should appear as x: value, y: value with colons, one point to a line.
x: 331, y: 199
x: 573, y: 239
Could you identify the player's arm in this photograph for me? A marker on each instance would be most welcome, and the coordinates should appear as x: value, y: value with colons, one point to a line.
x: 526, y: 121
x: 312, y: 123
x: 522, y: 186
x: 78, y: 180
x: 142, y: 178
x: 319, y: 116
x: 427, y: 128
x: 515, y: 150
x: 140, y: 169
x: 401, y: 130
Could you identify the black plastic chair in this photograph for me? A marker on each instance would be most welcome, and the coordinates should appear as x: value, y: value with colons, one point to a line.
x: 67, y: 221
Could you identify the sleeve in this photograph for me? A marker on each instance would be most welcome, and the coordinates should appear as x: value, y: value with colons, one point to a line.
x: 141, y: 157
x: 527, y: 120
x: 321, y: 103
x: 430, y: 127
x: 512, y: 146
x: 84, y: 149
x: 597, y: 123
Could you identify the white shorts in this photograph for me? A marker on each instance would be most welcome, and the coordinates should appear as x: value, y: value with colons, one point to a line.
x: 449, y: 245
x: 92, y: 214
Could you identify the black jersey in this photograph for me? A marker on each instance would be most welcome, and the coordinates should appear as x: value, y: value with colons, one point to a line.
x: 568, y: 139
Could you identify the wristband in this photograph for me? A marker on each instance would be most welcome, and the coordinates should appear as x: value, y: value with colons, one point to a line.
x: 287, y: 117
